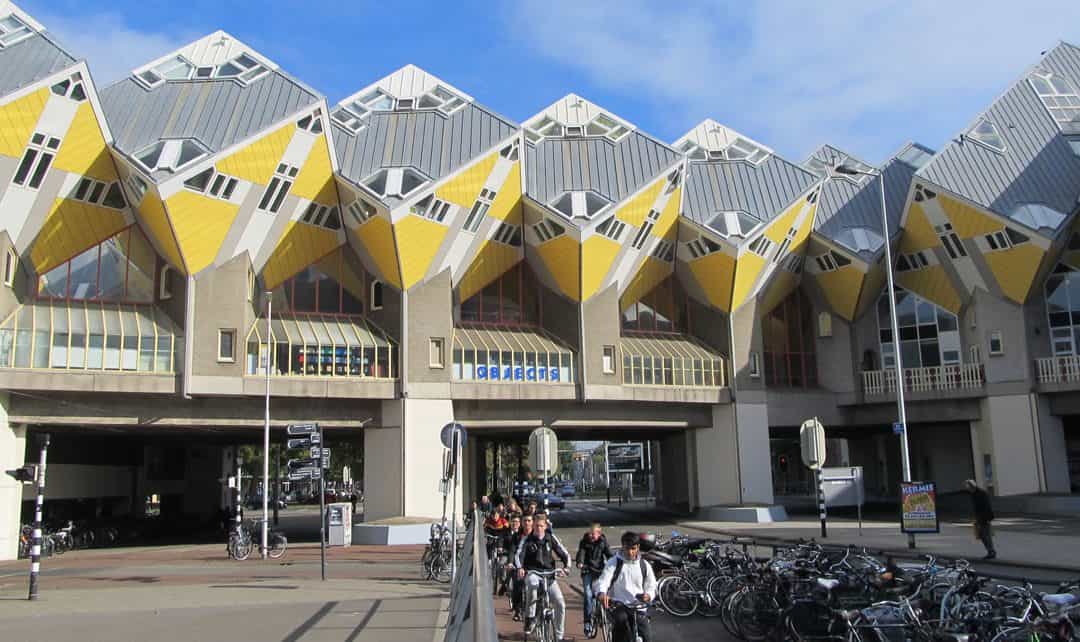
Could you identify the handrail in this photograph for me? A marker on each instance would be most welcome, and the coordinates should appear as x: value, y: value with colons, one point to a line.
x: 472, y: 610
x: 1061, y: 369
x: 956, y: 376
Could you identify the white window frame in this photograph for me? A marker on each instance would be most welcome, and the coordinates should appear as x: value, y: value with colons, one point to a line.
x: 761, y: 246
x: 825, y: 262
x: 11, y: 266
x: 954, y: 245
x: 13, y: 33
x: 168, y: 159
x: 218, y: 185
x: 607, y: 359
x: 999, y: 337
x: 611, y: 228
x: 432, y: 208
x: 547, y: 230
x: 376, y: 293
x: 824, y: 324
x: 361, y: 211
x: 159, y: 70
x: 164, y: 291
x: 781, y: 252
x: 1064, y: 101
x: 507, y: 234
x: 278, y: 189
x: 479, y: 210
x: 138, y: 186
x: 978, y: 139
x: 71, y: 88
x: 664, y: 251
x: 222, y: 358
x: 89, y: 190
x: 251, y: 283
x: 754, y: 365
x: 643, y: 232
x: 437, y: 353
x: 38, y: 156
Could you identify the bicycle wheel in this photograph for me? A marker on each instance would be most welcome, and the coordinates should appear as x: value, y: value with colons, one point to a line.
x: 439, y: 568
x: 602, y: 623
x: 758, y: 616
x: 278, y: 544
x: 239, y: 547
x: 678, y: 596
x: 708, y: 605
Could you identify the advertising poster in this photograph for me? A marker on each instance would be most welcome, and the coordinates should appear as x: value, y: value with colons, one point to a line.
x: 918, y: 507
x: 625, y: 457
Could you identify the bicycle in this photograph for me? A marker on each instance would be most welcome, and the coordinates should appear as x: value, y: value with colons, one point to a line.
x: 632, y: 609
x: 239, y: 545
x: 543, y: 622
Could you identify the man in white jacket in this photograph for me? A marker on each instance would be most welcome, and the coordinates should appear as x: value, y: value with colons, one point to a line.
x: 627, y: 579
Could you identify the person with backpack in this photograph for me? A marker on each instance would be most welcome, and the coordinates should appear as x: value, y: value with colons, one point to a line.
x: 592, y: 554
x: 539, y: 551
x: 517, y: 586
x: 627, y: 579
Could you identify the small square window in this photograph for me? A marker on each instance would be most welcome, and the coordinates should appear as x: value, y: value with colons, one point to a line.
x: 11, y: 266
x: 376, y: 295
x: 226, y: 345
x: 997, y: 344
x: 824, y: 322
x: 165, y: 283
x: 251, y: 285
x: 435, y: 352
x: 974, y: 354
x: 609, y: 360
x: 754, y: 366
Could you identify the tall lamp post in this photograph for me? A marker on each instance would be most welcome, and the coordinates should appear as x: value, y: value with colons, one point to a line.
x: 905, y: 456
x: 266, y: 435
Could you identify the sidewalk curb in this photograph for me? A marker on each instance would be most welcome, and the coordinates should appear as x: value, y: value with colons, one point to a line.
x: 902, y: 553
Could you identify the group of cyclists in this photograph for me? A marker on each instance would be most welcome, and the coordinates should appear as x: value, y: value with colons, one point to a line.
x: 622, y: 583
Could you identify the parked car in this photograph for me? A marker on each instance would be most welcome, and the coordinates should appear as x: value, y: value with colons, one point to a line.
x: 552, y: 501
x: 568, y: 490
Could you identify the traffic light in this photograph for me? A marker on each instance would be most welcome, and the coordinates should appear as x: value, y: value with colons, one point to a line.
x: 783, y: 463
x: 25, y: 474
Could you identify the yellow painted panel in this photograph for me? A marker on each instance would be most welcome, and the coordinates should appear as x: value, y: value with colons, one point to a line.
x: 491, y: 262
x: 17, y: 121
x: 968, y: 222
x: 300, y: 246
x: 842, y: 287
x: 69, y: 228
x: 201, y: 224
x: 507, y: 203
x: 560, y: 257
x: 157, y: 224
x: 933, y: 284
x: 465, y: 187
x: 377, y: 237
x: 637, y: 208
x: 1015, y: 269
x: 667, y: 228
x: 315, y: 181
x: 597, y: 256
x: 418, y: 241
x: 747, y: 269
x: 83, y: 151
x: 918, y: 234
x: 715, y: 275
x: 652, y: 273
x: 872, y: 288
x: 256, y: 162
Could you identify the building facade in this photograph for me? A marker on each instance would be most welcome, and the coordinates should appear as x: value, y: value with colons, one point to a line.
x: 429, y: 260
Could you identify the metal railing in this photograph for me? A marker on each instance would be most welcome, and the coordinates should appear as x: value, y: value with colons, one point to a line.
x: 1064, y: 369
x: 957, y: 376
x: 472, y: 609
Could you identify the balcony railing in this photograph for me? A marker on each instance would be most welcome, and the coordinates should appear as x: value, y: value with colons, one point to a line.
x: 1064, y: 369
x: 958, y: 376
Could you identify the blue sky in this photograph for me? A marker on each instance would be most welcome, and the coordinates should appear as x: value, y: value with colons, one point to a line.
x: 864, y: 76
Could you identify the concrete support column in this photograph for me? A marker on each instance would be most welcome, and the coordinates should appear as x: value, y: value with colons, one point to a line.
x: 732, y: 457
x: 12, y: 455
x: 1022, y: 448
x: 403, y: 460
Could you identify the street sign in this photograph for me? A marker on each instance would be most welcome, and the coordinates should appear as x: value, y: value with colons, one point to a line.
x: 314, y: 439
x: 812, y: 438
x: 304, y: 473
x: 303, y: 429
x: 446, y: 435
x: 898, y: 428
x: 320, y: 453
x: 303, y: 463
x: 544, y: 451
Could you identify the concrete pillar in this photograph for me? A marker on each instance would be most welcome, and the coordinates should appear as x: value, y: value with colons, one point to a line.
x: 403, y: 460
x: 12, y: 455
x: 1010, y: 431
x: 732, y: 457
x: 1054, y: 452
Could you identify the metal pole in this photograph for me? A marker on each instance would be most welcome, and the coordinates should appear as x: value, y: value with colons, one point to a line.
x: 35, y: 547
x: 239, y: 493
x: 266, y: 437
x: 900, y: 409
x: 454, y: 465
x: 322, y: 508
x: 821, y: 501
x: 277, y: 482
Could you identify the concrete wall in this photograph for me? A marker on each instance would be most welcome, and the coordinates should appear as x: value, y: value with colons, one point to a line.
x: 602, y: 321
x: 12, y: 453
x: 1054, y: 450
x: 1007, y: 432
x: 221, y: 303
x: 429, y: 314
x: 673, y: 475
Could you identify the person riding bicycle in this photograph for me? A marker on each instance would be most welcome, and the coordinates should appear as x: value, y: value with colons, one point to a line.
x: 627, y: 579
x: 538, y: 552
x: 517, y: 585
x: 592, y: 554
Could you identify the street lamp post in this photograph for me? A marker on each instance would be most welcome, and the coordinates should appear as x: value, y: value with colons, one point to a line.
x: 905, y: 456
x: 266, y: 436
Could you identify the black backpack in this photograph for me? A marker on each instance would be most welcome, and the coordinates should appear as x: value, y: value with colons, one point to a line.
x: 618, y: 572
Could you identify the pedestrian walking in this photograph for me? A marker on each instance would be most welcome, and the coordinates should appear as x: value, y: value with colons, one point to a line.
x: 984, y: 514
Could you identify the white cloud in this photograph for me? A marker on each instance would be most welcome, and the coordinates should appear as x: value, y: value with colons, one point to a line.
x: 864, y: 76
x: 111, y: 47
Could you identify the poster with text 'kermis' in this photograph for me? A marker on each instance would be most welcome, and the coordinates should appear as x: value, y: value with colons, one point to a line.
x: 918, y: 507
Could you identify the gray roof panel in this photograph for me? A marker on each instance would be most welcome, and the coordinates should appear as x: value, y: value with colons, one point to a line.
x: 763, y: 190
x: 218, y: 113
x: 1037, y: 166
x: 615, y: 170
x: 427, y: 140
x: 30, y: 60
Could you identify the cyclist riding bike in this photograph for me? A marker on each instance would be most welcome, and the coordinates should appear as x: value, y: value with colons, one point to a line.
x: 627, y: 580
x: 538, y: 553
x: 592, y: 554
x: 517, y: 585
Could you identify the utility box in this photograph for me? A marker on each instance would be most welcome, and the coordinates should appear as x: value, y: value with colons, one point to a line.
x: 339, y: 524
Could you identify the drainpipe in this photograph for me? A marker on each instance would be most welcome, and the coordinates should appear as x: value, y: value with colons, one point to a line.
x: 189, y: 344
